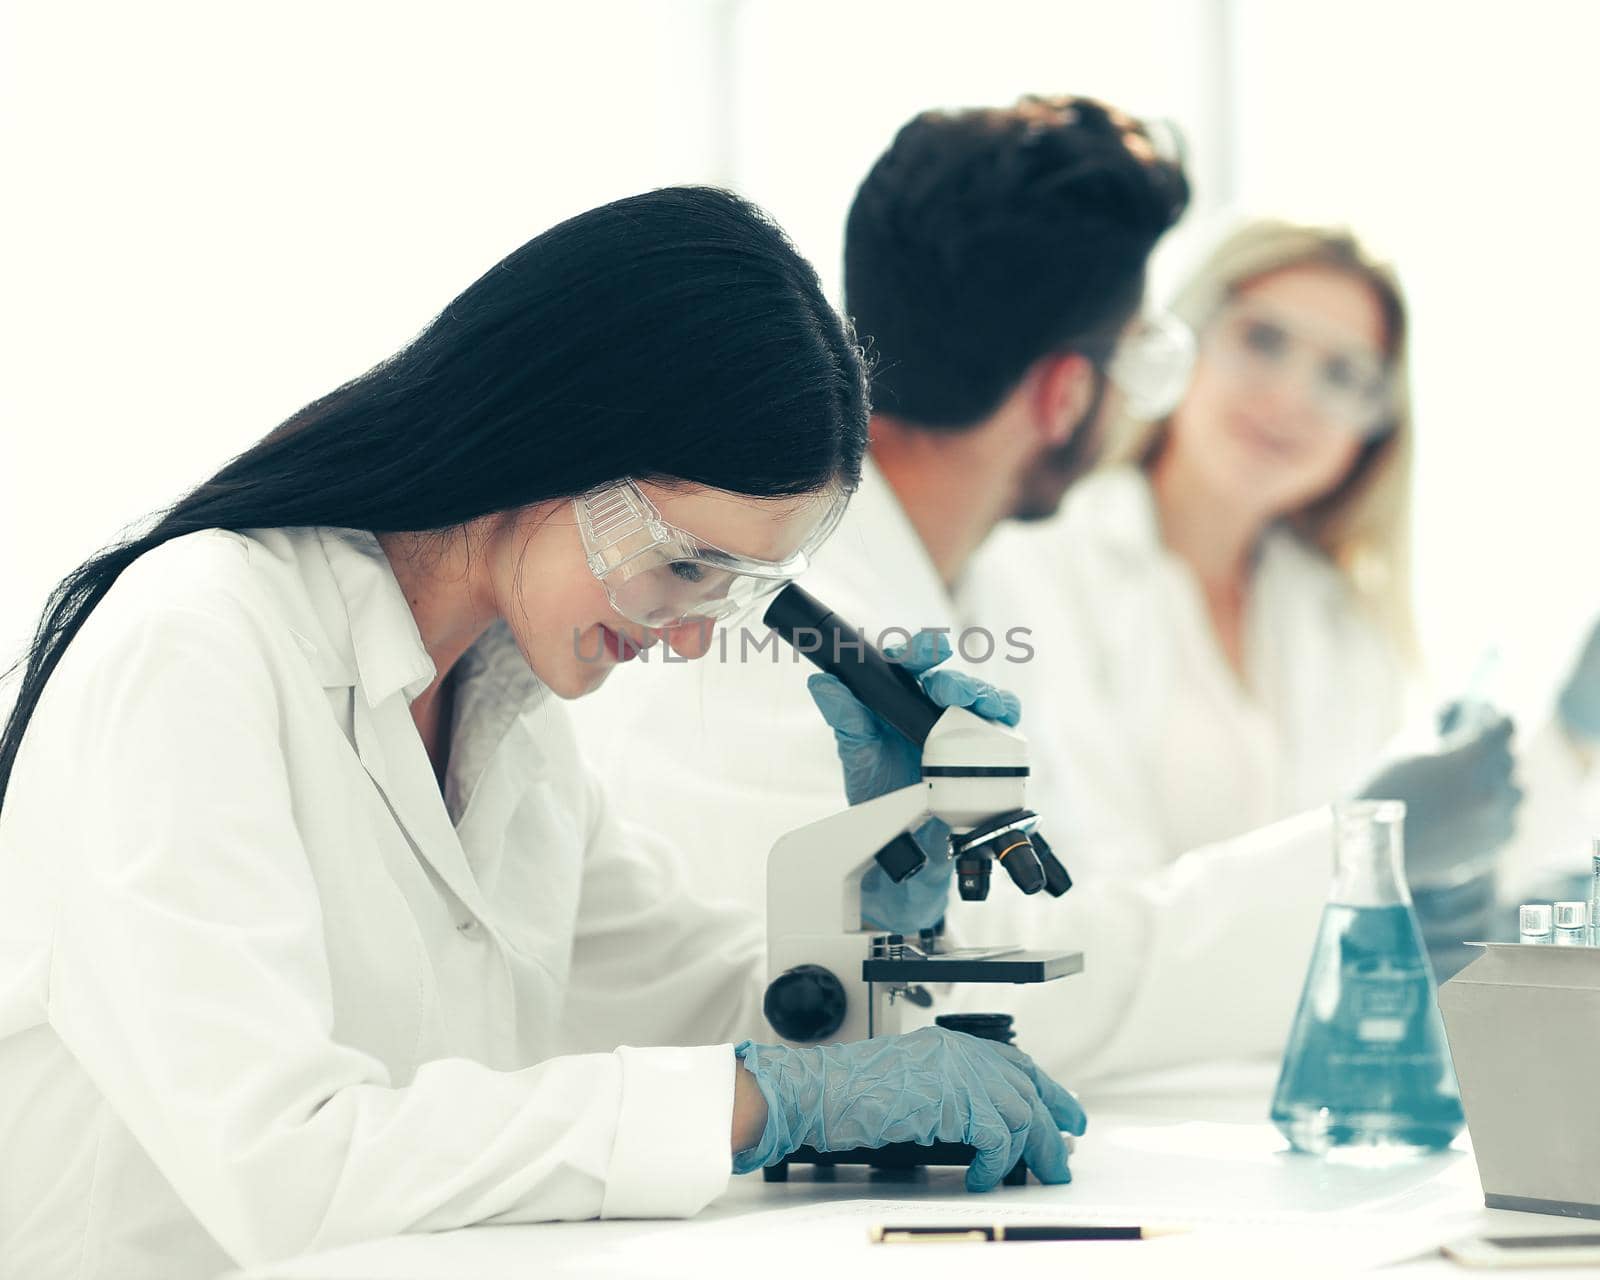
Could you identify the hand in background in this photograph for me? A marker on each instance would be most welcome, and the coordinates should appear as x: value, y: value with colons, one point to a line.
x: 1461, y: 801
x: 1579, y: 702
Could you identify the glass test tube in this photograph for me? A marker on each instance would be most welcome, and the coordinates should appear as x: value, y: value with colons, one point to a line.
x: 1594, y: 894
x: 1535, y: 923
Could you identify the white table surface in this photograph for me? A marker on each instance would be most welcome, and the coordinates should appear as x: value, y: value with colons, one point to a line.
x: 1186, y: 1149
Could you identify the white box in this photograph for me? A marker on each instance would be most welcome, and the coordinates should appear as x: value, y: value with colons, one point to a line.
x: 1524, y: 1030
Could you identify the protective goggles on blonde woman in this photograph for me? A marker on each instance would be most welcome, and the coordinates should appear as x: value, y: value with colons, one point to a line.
x: 1347, y: 383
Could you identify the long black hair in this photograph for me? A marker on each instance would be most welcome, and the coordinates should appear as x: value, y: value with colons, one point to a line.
x: 674, y: 336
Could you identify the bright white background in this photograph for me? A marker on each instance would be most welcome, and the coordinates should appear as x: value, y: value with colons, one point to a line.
x: 216, y: 212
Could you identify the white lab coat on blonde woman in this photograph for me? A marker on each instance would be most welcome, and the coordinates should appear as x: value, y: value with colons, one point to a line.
x: 1176, y: 750
x: 1155, y: 706
x: 1189, y: 958
x: 279, y: 991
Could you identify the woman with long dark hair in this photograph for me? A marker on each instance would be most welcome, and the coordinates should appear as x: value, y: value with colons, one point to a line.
x: 313, y: 927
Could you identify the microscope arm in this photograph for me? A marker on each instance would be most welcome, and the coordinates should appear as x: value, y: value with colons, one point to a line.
x: 814, y: 873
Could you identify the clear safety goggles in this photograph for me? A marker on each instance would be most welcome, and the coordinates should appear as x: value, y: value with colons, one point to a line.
x: 660, y: 576
x: 1348, y: 384
x: 1151, y: 365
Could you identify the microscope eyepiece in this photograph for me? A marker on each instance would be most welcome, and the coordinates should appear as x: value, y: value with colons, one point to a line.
x: 816, y: 632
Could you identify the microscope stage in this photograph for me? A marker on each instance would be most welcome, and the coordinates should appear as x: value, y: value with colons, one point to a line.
x: 1005, y: 965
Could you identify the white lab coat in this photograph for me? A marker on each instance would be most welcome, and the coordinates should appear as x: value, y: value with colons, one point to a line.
x: 1176, y: 750
x: 1190, y: 958
x: 263, y: 990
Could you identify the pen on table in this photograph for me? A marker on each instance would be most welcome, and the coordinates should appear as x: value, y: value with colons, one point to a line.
x: 1016, y: 1234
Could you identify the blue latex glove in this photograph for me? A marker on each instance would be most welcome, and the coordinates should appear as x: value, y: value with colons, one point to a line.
x: 930, y: 1085
x: 1461, y: 801
x: 1579, y: 703
x: 878, y: 759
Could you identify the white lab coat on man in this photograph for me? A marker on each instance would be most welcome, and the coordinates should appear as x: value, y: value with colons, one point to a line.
x: 1189, y: 958
x: 264, y: 990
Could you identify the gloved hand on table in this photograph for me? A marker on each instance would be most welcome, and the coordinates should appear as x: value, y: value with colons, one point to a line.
x: 878, y: 759
x: 1461, y: 801
x: 929, y: 1085
x: 1579, y: 701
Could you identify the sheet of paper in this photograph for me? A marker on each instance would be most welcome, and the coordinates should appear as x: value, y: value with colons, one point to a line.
x: 835, y: 1235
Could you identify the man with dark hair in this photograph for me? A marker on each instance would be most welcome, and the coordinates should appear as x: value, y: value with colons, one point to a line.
x: 995, y: 268
x: 997, y: 252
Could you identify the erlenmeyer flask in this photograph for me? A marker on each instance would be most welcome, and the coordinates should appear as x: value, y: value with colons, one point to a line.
x: 1367, y: 1065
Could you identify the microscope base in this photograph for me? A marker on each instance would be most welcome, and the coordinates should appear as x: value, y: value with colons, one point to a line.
x: 897, y: 1156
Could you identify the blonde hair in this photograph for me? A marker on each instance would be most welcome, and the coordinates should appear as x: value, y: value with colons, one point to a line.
x: 1363, y: 524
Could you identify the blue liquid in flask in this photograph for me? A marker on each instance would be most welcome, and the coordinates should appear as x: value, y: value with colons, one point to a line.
x: 1368, y: 1067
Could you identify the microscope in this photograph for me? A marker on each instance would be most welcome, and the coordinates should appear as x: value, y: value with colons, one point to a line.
x: 832, y: 978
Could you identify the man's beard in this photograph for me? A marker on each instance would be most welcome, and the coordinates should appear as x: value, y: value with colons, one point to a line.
x: 1044, y: 484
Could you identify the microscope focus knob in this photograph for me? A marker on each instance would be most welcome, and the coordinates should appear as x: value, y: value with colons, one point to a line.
x: 805, y: 1004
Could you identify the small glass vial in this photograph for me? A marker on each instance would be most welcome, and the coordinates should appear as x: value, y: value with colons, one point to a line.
x: 1572, y: 924
x: 1535, y: 922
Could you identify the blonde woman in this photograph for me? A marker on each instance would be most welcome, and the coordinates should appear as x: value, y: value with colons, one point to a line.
x: 1228, y: 620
